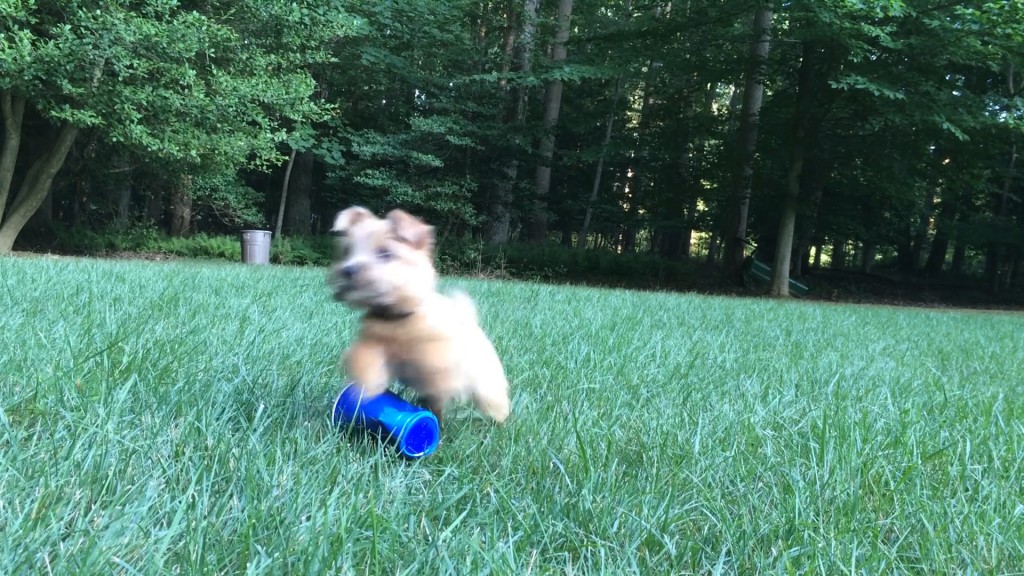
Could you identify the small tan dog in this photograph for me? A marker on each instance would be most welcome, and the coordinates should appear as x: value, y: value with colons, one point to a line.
x: 431, y: 342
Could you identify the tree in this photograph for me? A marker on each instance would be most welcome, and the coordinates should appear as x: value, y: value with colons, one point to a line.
x: 205, y: 94
x: 753, y: 91
x: 813, y: 74
x: 538, y: 230
x: 581, y: 244
x: 518, y: 45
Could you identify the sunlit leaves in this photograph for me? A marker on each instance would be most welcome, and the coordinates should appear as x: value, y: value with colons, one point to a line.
x: 202, y: 82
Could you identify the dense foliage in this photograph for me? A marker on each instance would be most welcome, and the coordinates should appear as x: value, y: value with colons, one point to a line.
x: 887, y: 138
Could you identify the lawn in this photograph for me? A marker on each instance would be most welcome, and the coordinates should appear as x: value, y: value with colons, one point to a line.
x: 173, y: 417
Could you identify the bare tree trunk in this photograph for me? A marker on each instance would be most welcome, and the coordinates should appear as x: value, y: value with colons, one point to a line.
x: 959, y: 258
x: 538, y: 229
x: 501, y: 216
x: 35, y: 187
x: 753, y: 93
x: 912, y: 260
x: 300, y: 194
x: 637, y: 167
x: 807, y: 226
x: 798, y: 150
x: 838, y: 260
x: 500, y: 229
x: 940, y: 243
x: 284, y: 194
x: 692, y: 165
x: 1016, y: 280
x: 508, y: 45
x: 581, y: 245
x: 181, y: 207
x: 994, y: 258
x: 713, y: 248
x: 119, y: 189
x: 155, y: 205
x: 996, y: 249
x: 869, y: 252
x: 79, y: 205
x: 566, y: 236
x: 784, y: 246
x: 12, y: 112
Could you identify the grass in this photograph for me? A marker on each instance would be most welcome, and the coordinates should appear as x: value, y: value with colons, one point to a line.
x: 174, y: 418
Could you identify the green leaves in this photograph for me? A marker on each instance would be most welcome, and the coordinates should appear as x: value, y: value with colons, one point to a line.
x: 209, y: 85
x: 857, y: 82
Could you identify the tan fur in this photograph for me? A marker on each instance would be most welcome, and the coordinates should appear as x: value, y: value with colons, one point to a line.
x: 431, y: 342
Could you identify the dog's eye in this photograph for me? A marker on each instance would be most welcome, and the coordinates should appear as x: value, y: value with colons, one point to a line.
x: 384, y: 255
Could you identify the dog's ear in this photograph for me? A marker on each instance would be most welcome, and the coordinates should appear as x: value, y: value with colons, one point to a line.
x: 348, y: 218
x: 411, y: 230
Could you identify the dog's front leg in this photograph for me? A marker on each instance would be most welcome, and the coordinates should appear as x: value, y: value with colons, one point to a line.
x: 365, y: 363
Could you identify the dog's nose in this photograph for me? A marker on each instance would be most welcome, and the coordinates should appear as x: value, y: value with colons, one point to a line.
x: 348, y: 271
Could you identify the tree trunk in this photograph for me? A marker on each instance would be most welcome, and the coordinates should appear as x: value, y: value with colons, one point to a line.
x: 787, y: 222
x: 500, y: 229
x: 753, y: 93
x: 119, y: 191
x: 868, y: 254
x: 500, y: 221
x: 996, y: 249
x: 637, y: 167
x: 816, y: 264
x: 35, y: 187
x: 500, y: 226
x: 940, y: 244
x: 80, y: 204
x: 912, y: 259
x: 937, y: 255
x: 508, y: 44
x: 993, y: 260
x: 838, y: 259
x: 300, y: 195
x: 538, y: 229
x: 581, y: 245
x: 155, y: 205
x: 12, y: 113
x: 284, y: 194
x: 959, y: 258
x: 1016, y: 280
x: 713, y: 247
x: 692, y: 166
x: 181, y: 207
x: 807, y: 226
x: 566, y: 236
x: 798, y: 146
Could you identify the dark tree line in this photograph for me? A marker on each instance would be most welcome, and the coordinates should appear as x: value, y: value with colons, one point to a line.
x: 829, y: 134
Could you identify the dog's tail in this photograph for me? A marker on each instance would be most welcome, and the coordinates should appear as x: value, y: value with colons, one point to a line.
x: 465, y: 306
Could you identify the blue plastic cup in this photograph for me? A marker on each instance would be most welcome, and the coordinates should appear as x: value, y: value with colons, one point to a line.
x: 414, y: 431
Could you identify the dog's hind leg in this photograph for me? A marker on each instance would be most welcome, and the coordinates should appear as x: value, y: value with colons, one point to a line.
x: 492, y: 400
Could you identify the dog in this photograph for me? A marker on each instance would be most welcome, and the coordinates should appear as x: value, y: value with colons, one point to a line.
x: 410, y: 332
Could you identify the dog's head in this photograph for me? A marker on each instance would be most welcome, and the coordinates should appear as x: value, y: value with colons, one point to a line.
x: 382, y: 263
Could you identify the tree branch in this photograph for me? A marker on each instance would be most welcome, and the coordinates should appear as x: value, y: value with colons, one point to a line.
x: 12, y: 111
x: 35, y: 187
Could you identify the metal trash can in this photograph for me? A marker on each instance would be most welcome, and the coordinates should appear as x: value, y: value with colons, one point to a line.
x: 256, y: 246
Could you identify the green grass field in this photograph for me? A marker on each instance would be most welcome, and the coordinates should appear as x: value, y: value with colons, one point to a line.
x: 173, y: 418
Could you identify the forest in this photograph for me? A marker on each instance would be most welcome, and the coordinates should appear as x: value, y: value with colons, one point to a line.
x: 877, y: 138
